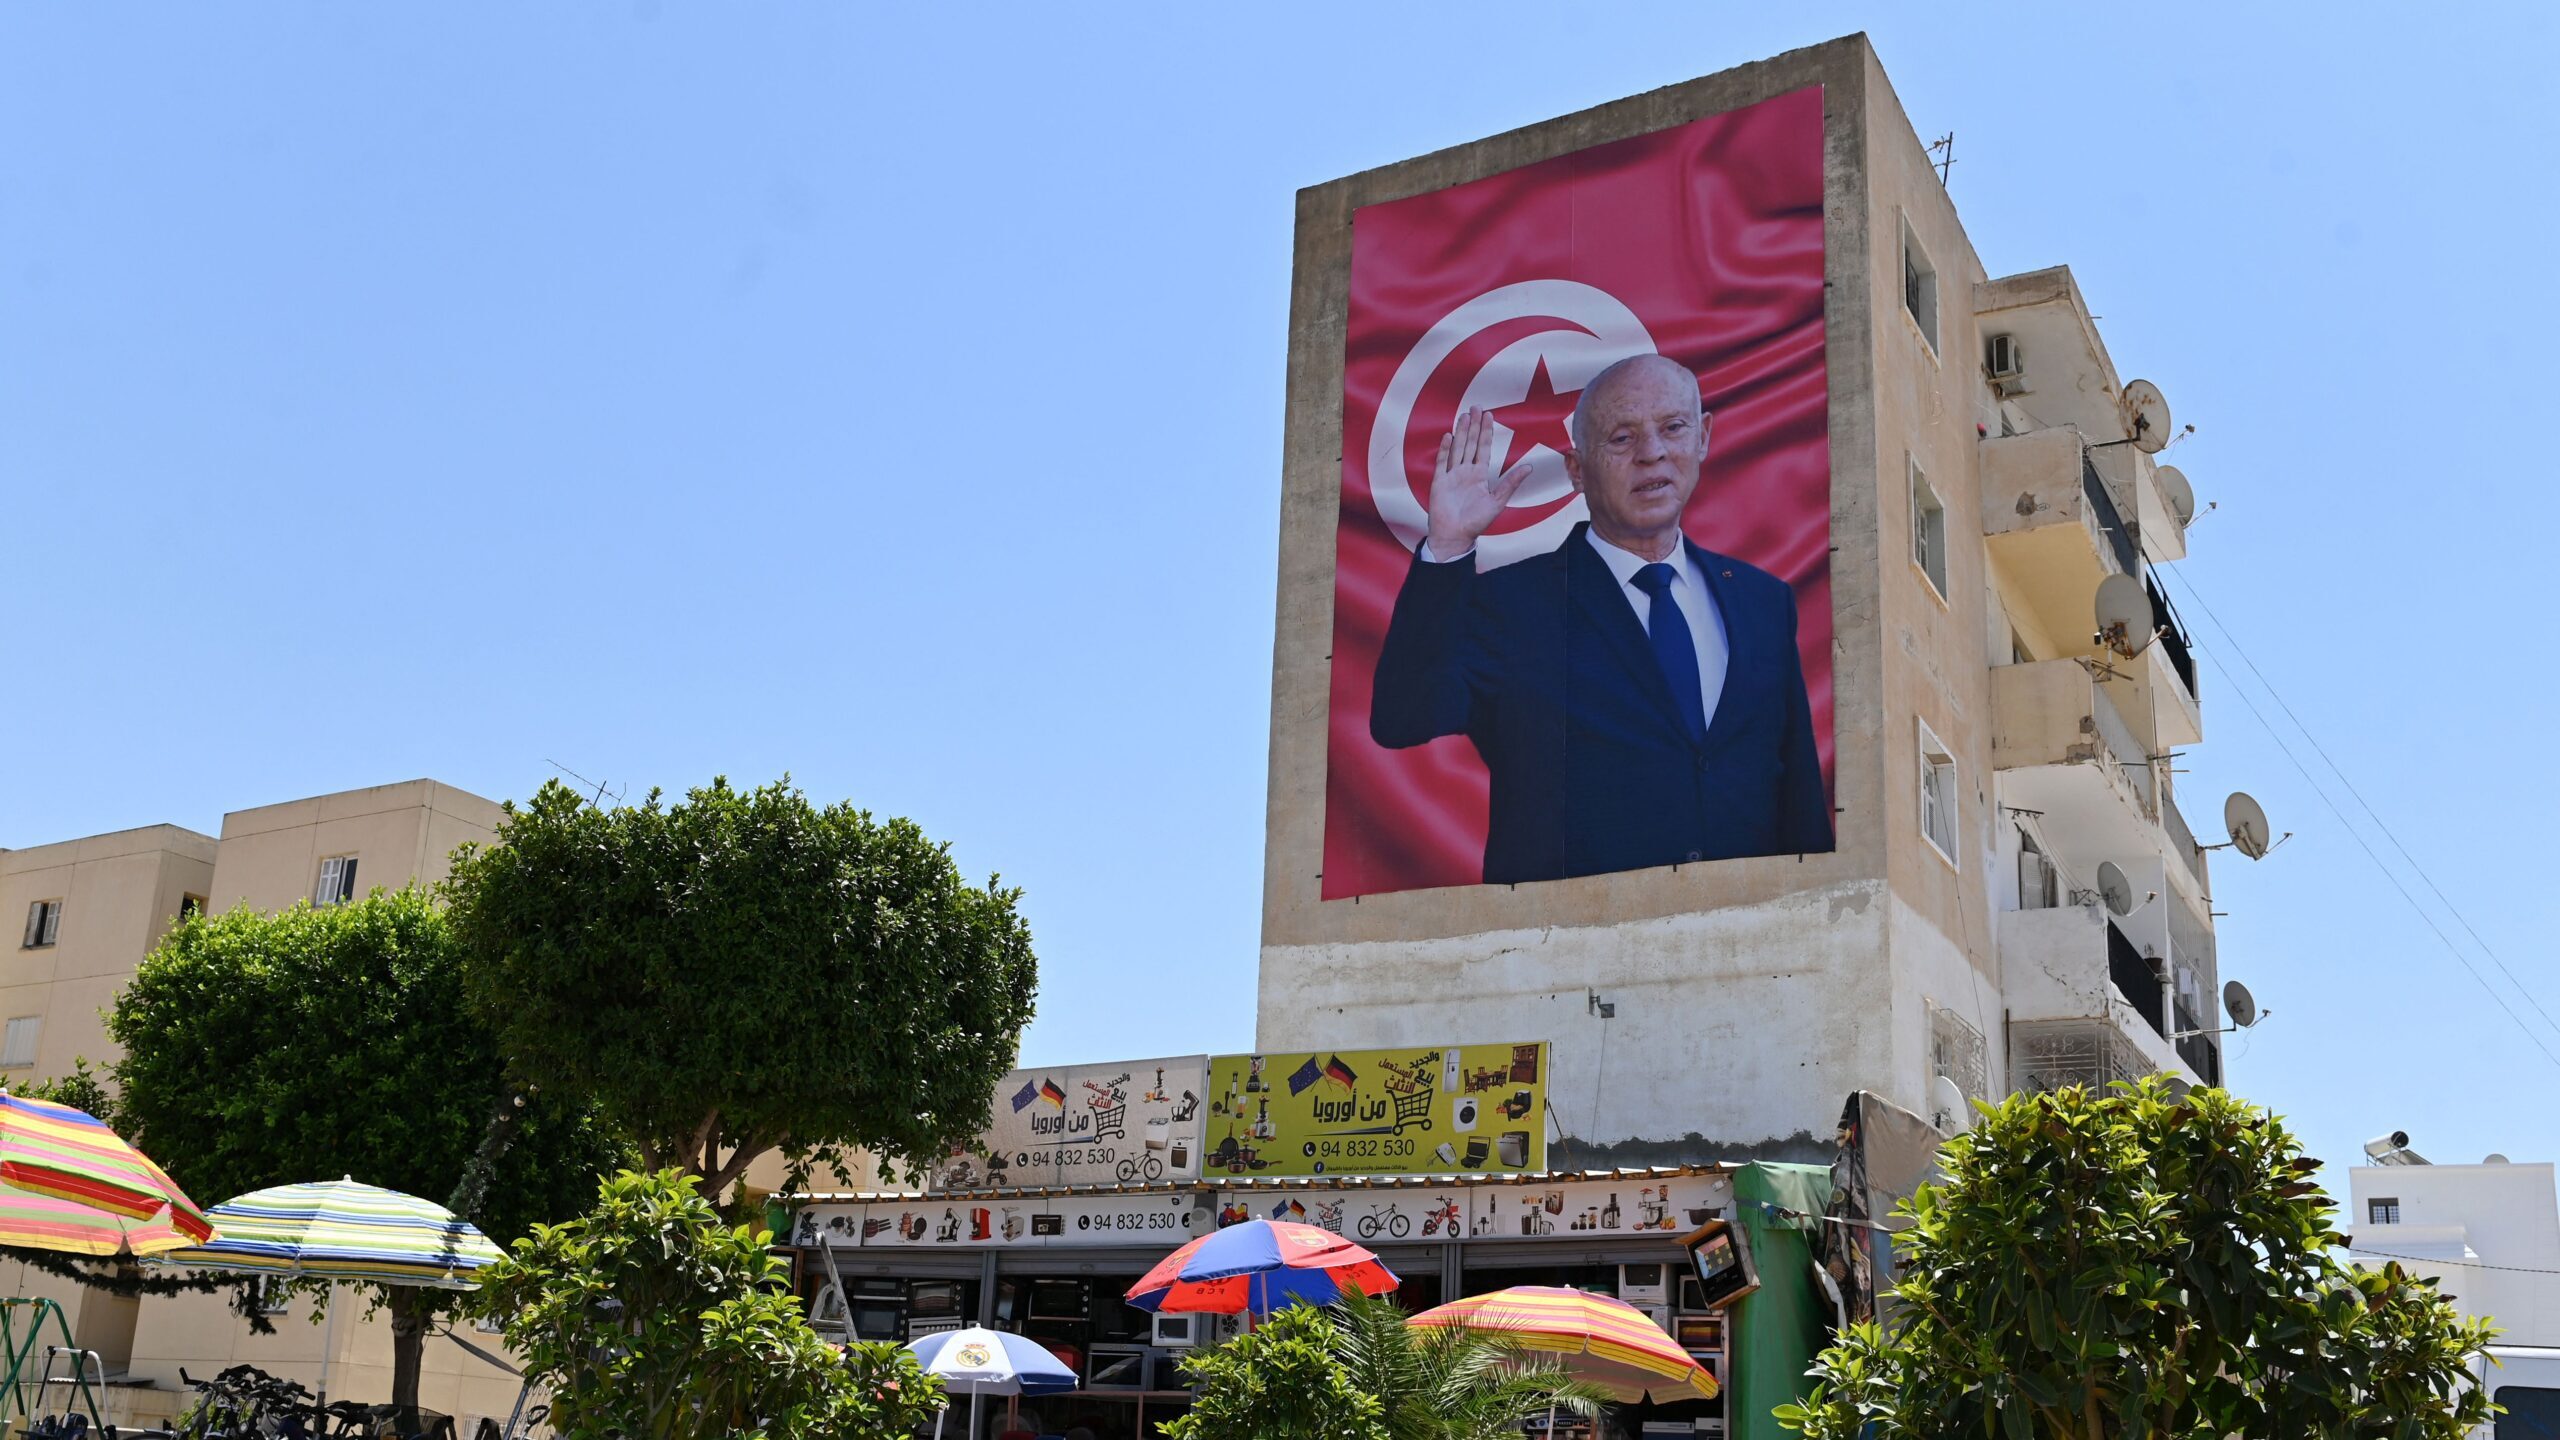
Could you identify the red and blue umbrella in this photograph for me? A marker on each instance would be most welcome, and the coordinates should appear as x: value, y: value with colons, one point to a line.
x: 1260, y: 1266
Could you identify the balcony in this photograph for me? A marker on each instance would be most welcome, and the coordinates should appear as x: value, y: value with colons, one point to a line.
x: 2062, y: 749
x: 2070, y: 970
x: 2053, y: 528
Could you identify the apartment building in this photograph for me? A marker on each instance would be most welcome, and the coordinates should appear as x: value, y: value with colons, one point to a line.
x: 2013, y: 896
x: 92, y: 910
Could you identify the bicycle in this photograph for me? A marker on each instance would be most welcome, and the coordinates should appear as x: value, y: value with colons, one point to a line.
x: 1138, y: 1167
x: 1393, y: 1223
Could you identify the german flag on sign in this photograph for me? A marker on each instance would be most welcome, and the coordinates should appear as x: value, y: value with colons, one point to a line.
x: 1340, y: 1074
x: 1050, y: 1092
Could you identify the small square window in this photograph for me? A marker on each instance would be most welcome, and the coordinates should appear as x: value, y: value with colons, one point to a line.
x: 189, y: 907
x: 44, y: 921
x: 18, y: 1043
x: 337, y: 881
x: 275, y: 1295
x: 1928, y: 531
x: 2384, y: 1211
x: 1937, y: 794
x: 1919, y: 287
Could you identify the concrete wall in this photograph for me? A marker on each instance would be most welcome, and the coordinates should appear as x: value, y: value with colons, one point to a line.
x: 1751, y: 995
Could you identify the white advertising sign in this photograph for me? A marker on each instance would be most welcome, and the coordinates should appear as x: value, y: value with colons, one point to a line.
x: 1131, y: 1122
x: 964, y: 1222
x: 1575, y: 1210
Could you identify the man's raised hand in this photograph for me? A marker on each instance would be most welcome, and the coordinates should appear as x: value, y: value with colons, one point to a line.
x: 1466, y: 495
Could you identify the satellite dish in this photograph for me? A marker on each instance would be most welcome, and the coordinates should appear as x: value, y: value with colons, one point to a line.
x: 2113, y: 888
x: 2240, y: 1005
x: 2146, y: 417
x: 2247, y: 822
x: 1947, y: 1098
x: 2177, y: 493
x: 2494, y: 1158
x: 2126, y: 622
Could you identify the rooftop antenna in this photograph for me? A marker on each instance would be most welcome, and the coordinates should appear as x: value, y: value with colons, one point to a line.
x: 1944, y: 147
x: 598, y: 798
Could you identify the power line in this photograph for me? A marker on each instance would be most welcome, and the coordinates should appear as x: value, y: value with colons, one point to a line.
x: 2322, y: 751
x: 2387, y: 873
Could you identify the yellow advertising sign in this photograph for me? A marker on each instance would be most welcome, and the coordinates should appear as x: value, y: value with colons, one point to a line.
x: 1421, y: 1110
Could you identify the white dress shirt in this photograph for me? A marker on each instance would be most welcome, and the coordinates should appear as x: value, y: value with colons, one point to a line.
x: 1688, y: 587
x: 1697, y: 604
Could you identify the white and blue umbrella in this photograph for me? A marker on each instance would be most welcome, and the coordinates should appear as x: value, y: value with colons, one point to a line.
x: 978, y: 1361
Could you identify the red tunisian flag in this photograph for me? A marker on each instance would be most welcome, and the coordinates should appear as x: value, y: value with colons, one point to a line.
x: 1702, y: 243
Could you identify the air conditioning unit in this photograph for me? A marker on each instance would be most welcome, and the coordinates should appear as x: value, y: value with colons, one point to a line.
x: 2004, y: 362
x: 1180, y: 1332
x: 1644, y: 1286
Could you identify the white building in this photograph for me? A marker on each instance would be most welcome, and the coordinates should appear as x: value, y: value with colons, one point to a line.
x: 2489, y: 1232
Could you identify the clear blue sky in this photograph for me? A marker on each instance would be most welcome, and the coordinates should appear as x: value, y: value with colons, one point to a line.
x: 882, y: 393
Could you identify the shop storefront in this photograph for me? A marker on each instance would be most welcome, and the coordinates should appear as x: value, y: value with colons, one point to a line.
x: 1434, y: 1157
x: 1054, y: 1265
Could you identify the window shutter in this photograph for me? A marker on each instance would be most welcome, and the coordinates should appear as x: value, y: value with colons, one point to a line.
x: 326, y: 892
x: 52, y: 922
x: 35, y: 925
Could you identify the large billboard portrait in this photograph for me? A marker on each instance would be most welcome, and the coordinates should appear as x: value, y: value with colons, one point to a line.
x: 1582, y: 604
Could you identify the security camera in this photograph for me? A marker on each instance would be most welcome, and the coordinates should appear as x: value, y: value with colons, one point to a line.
x: 2382, y: 1145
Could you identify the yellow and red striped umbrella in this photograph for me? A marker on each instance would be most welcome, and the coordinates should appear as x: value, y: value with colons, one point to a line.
x: 1603, y: 1340
x: 54, y: 1150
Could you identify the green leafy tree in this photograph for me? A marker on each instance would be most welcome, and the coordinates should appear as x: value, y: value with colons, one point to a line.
x: 2134, y: 1263
x: 650, y: 1319
x: 1283, y: 1381
x: 280, y: 1049
x: 744, y: 972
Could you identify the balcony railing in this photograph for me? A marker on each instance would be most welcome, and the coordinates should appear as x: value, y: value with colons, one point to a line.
x: 2173, y: 636
x: 2134, y: 978
x: 2102, y: 510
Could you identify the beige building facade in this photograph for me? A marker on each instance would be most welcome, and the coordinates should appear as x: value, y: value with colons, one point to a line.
x: 116, y: 896
x: 1990, y: 753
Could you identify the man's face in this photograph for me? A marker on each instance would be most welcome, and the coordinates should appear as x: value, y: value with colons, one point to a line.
x: 1641, y: 447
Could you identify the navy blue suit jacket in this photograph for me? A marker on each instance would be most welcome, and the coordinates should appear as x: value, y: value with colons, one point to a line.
x: 1544, y: 666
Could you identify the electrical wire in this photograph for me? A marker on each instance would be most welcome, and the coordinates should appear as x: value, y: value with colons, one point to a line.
x: 2434, y: 1260
x: 2387, y: 872
x: 2322, y: 751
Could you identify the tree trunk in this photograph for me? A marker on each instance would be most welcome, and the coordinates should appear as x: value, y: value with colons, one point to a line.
x: 410, y: 1312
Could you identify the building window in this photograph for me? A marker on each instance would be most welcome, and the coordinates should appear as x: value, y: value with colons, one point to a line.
x: 1928, y: 531
x: 1956, y: 1051
x: 44, y: 920
x: 189, y: 907
x: 1937, y: 794
x: 1919, y: 287
x: 275, y: 1294
x: 2039, y: 880
x: 337, y: 881
x: 2378, y: 1212
x: 18, y: 1043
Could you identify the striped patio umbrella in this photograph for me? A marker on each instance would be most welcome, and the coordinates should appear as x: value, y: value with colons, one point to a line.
x: 340, y: 1230
x: 1258, y: 1267
x: 40, y: 1222
x: 65, y: 1154
x: 1602, y: 1339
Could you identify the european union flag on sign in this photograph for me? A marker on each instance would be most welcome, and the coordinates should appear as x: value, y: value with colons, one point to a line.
x: 1304, y: 1076
x: 1024, y: 1096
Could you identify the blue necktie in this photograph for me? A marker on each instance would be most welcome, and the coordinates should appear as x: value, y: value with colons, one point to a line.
x: 1674, y: 649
